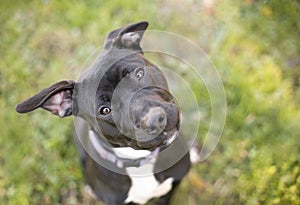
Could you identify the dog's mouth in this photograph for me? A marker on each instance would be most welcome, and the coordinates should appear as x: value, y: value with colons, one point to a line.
x: 169, y: 136
x: 164, y: 139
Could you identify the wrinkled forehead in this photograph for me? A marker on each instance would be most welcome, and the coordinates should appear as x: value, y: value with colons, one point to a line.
x: 134, y: 69
x: 127, y: 77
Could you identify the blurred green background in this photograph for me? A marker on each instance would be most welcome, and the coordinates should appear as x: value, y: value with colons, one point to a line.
x: 255, y: 46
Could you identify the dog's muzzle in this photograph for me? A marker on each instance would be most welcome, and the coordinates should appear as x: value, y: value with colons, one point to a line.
x: 155, y: 117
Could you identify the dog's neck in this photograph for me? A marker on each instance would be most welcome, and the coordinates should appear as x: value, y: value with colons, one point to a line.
x: 122, y: 157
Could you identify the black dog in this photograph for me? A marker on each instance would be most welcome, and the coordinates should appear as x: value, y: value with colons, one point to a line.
x: 127, y: 123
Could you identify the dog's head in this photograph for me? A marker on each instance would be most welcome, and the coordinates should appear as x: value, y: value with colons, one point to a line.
x: 123, y: 96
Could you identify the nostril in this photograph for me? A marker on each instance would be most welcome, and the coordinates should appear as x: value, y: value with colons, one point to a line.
x: 161, y: 119
x: 152, y: 129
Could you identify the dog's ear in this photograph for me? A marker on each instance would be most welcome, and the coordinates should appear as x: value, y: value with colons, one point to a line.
x: 127, y: 37
x: 57, y: 99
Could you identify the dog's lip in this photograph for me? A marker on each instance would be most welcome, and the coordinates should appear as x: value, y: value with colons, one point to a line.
x: 171, y: 137
x: 164, y: 139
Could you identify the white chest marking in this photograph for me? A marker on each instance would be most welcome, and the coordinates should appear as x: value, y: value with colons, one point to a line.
x: 144, y: 186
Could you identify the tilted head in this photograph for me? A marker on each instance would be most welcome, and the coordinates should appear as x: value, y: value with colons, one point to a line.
x: 122, y: 96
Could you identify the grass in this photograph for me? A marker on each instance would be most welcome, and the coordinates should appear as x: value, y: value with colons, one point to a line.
x: 255, y: 47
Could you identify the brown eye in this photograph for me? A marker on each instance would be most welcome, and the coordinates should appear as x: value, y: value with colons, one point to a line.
x: 104, y: 110
x: 139, y: 73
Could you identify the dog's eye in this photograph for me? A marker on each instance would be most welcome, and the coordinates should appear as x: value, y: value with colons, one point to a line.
x: 104, y: 110
x: 139, y: 73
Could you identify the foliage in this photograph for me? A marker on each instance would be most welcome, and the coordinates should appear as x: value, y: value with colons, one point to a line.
x: 253, y: 44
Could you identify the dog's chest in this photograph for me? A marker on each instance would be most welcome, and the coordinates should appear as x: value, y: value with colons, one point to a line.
x: 144, y: 185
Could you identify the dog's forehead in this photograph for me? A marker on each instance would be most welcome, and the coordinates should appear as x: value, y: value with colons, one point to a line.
x: 125, y: 79
x: 134, y: 60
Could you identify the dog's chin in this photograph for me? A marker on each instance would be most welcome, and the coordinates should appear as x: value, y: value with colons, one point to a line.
x: 163, y: 140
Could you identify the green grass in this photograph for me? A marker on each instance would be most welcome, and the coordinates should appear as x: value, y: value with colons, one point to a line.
x: 253, y: 44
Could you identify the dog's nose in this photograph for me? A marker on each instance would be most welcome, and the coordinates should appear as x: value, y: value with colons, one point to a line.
x: 154, y: 121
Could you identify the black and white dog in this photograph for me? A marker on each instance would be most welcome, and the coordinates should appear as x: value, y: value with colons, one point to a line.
x: 126, y: 123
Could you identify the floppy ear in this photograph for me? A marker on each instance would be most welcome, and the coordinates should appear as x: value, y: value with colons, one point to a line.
x: 57, y: 99
x: 127, y: 37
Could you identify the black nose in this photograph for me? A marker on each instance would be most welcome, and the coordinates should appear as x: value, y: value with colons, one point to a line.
x: 154, y: 121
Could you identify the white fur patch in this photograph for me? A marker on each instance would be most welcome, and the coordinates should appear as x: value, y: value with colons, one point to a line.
x: 90, y: 191
x: 194, y: 155
x: 144, y: 186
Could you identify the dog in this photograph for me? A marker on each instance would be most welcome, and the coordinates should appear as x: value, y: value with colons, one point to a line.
x: 126, y: 123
